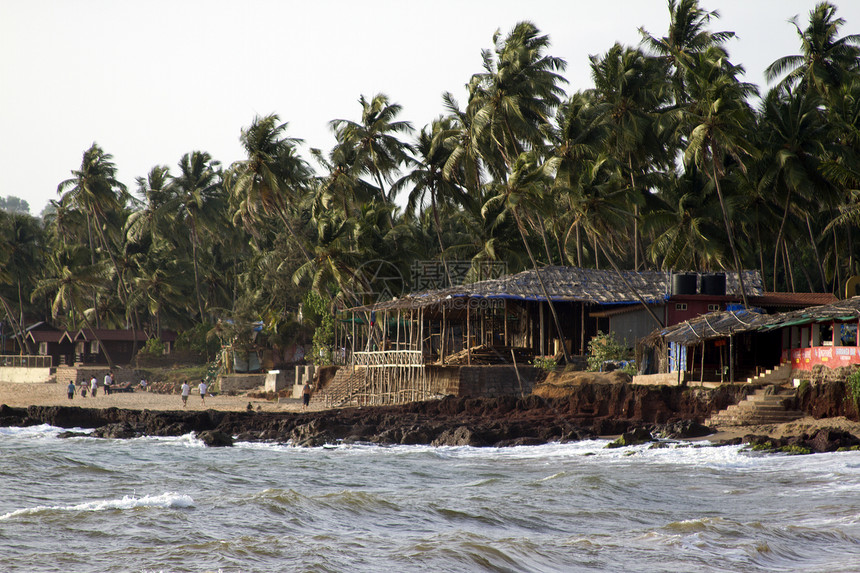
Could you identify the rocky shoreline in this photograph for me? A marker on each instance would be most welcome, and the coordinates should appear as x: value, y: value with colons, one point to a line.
x: 638, y: 413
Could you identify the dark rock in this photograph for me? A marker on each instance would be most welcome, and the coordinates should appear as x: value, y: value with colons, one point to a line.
x: 830, y: 440
x: 460, y: 436
x: 683, y: 430
x: 636, y: 437
x: 120, y: 431
x: 215, y: 439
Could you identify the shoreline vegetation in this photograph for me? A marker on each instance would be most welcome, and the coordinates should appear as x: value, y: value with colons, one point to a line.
x: 497, y: 422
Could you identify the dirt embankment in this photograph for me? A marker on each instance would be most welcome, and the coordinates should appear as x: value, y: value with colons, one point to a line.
x: 588, y: 409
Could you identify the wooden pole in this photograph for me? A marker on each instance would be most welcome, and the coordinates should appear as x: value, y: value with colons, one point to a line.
x: 542, y: 340
x: 517, y: 370
x: 506, y: 322
x: 444, y: 337
x: 468, y: 334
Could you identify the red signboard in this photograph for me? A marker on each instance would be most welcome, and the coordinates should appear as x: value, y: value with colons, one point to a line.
x: 829, y: 356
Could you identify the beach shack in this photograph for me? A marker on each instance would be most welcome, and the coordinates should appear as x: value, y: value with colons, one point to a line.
x: 121, y: 344
x: 47, y: 340
x: 407, y: 348
x: 741, y: 344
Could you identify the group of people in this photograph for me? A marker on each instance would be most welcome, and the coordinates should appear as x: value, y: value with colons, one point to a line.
x: 91, y: 386
x: 185, y: 391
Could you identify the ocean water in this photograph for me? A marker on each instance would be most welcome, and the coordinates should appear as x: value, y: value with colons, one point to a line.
x: 156, y: 504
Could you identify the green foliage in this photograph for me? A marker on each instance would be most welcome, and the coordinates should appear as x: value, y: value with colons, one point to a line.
x: 152, y: 347
x: 803, y: 388
x: 546, y: 363
x: 197, y: 339
x: 604, y: 347
x: 854, y: 387
x: 317, y: 313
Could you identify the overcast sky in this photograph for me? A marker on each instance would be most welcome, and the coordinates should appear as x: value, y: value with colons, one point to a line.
x: 151, y: 80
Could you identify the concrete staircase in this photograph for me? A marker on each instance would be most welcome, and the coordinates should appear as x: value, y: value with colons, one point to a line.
x: 775, y: 375
x: 764, y: 406
x: 342, y: 389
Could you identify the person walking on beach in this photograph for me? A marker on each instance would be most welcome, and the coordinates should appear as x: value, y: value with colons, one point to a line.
x: 107, y: 382
x: 186, y: 390
x: 202, y: 389
x: 306, y: 395
x: 94, y: 385
x: 84, y: 387
x: 71, y: 389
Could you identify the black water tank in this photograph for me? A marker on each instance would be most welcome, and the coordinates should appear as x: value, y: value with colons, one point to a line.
x: 684, y: 283
x: 714, y: 284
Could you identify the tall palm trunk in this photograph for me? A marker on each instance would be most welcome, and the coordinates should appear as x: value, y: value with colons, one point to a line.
x: 779, y: 238
x: 196, y: 272
x: 93, y: 263
x: 16, y: 326
x: 542, y: 286
x: 729, y: 232
x: 439, y: 234
x: 817, y: 256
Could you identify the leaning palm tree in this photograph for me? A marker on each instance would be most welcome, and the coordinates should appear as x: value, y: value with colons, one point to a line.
x: 69, y: 283
x: 529, y: 180
x: 719, y: 120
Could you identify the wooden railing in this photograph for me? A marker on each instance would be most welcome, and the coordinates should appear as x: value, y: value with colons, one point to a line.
x: 389, y: 358
x: 24, y: 361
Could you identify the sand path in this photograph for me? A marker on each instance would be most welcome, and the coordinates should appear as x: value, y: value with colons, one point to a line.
x: 23, y: 395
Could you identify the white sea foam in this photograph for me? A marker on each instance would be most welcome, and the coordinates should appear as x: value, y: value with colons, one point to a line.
x: 165, y: 500
x: 40, y: 431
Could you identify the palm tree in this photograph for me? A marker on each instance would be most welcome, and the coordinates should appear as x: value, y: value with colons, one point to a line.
x: 271, y: 180
x: 686, y: 38
x: 628, y: 98
x: 719, y: 120
x: 685, y: 225
x: 825, y: 60
x: 793, y: 136
x: 70, y: 280
x: 428, y: 178
x: 513, y: 100
x: 376, y: 150
x: 95, y: 190
x: 194, y: 201
x: 529, y: 180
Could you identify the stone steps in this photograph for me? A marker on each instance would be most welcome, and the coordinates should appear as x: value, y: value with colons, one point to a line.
x: 761, y: 407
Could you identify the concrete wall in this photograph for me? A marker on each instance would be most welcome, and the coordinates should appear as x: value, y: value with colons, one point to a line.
x: 23, y: 375
x: 240, y: 382
x: 491, y: 381
x: 277, y: 380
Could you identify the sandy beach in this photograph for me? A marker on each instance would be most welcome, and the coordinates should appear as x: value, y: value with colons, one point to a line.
x: 23, y: 395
